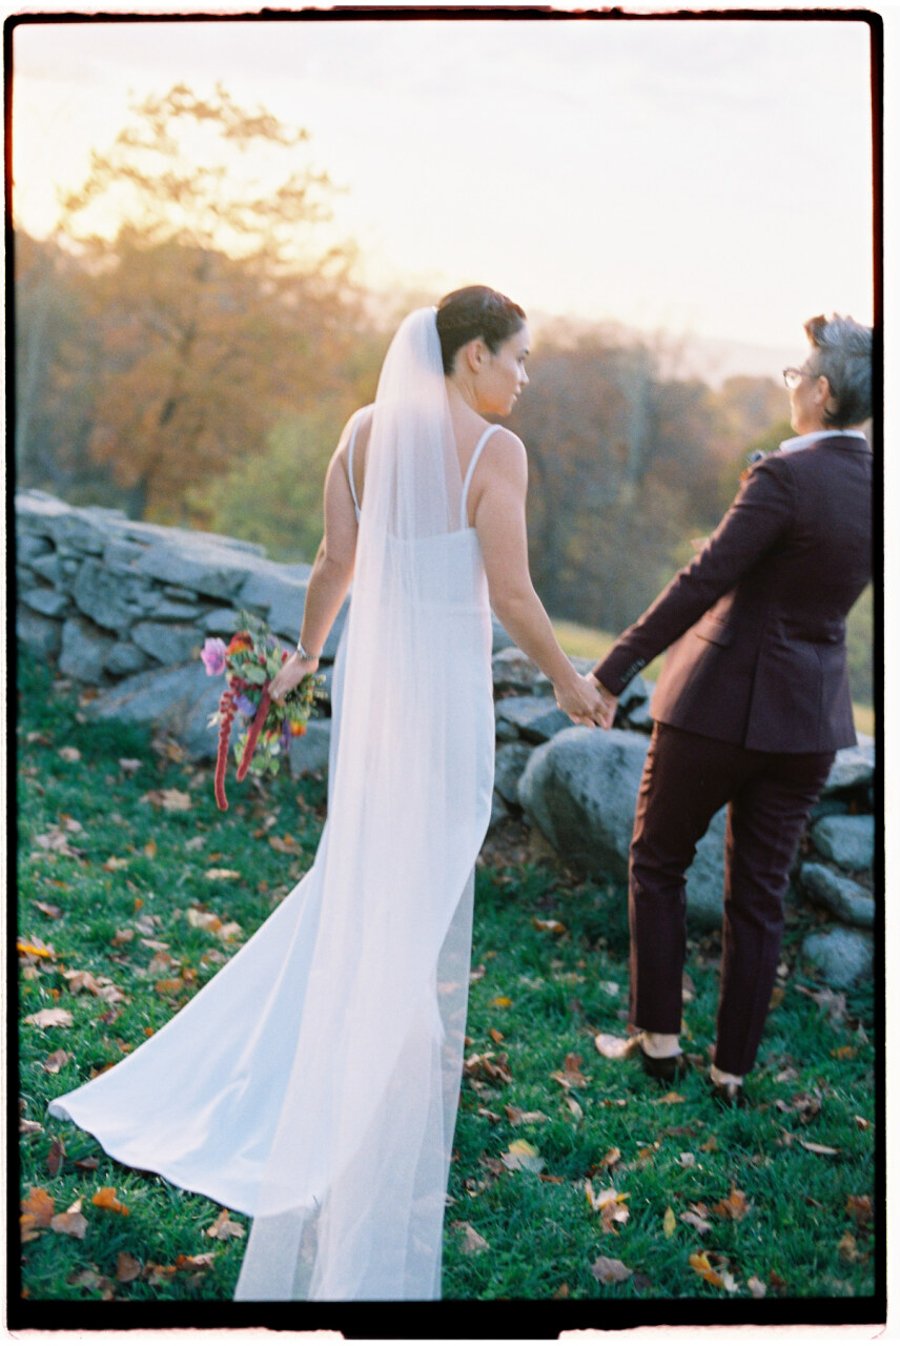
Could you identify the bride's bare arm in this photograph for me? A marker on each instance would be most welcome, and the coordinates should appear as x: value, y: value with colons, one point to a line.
x: 499, y: 492
x: 331, y: 574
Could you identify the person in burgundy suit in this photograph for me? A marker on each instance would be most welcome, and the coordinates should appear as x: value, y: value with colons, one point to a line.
x: 752, y: 704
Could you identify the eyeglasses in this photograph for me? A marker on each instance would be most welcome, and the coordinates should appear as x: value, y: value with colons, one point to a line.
x: 793, y: 376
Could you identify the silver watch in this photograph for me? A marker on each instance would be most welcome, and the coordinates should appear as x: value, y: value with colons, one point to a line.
x: 305, y: 654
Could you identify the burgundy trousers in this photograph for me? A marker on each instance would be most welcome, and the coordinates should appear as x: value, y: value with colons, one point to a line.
x: 687, y: 778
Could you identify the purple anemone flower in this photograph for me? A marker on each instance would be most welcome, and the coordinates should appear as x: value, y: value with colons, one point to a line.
x: 213, y: 656
x: 245, y: 705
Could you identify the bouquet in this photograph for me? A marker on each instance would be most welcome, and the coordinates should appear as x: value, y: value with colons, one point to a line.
x: 249, y: 662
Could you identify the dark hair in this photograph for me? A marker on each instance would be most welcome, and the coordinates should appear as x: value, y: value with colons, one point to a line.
x: 475, y: 311
x: 843, y: 353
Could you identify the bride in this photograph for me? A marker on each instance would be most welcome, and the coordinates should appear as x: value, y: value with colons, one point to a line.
x: 313, y: 1083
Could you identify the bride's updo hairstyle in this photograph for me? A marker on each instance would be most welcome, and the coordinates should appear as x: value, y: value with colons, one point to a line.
x: 475, y: 311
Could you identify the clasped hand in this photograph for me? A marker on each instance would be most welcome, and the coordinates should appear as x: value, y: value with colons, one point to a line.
x: 290, y: 675
x: 586, y: 701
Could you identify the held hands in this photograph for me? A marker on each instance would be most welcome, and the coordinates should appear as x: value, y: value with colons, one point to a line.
x: 291, y: 673
x: 586, y: 702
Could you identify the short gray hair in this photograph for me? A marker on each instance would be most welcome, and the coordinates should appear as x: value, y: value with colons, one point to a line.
x: 843, y: 353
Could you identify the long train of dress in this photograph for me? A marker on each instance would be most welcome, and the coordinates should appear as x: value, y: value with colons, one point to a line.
x: 313, y: 1082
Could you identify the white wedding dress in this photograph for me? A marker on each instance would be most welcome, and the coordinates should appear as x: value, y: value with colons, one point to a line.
x: 313, y: 1083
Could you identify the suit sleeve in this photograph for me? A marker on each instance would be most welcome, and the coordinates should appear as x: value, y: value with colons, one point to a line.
x: 757, y: 518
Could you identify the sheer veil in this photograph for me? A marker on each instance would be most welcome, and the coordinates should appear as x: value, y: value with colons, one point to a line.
x: 352, y: 1195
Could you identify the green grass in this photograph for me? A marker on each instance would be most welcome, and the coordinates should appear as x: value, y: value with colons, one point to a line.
x: 546, y: 993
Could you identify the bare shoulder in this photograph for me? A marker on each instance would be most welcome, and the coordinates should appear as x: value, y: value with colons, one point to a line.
x: 505, y: 451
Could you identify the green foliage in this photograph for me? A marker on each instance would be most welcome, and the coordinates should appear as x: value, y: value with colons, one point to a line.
x: 538, y: 996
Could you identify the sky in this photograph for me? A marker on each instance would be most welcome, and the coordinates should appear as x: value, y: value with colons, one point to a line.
x: 709, y: 179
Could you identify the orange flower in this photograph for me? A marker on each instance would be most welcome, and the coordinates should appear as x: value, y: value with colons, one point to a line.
x: 297, y: 730
x: 239, y: 642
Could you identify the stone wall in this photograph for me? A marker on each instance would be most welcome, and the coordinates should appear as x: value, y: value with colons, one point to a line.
x: 124, y: 607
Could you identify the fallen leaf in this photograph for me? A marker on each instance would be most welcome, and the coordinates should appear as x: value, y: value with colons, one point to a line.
x: 50, y: 1018
x: 224, y: 1228
x: 27, y: 1128
x: 613, y: 1048
x: 151, y: 848
x: 203, y: 920
x: 609, y: 1270
x: 106, y: 1199
x: 223, y: 874
x: 696, y: 1221
x: 732, y: 1207
x: 128, y: 1268
x: 113, y: 863
x: 201, y: 1262
x: 49, y: 909
x: 35, y: 948
x: 486, y: 1068
x: 155, y: 1274
x: 847, y: 1249
x: 230, y: 930
x: 844, y: 1053
x: 670, y: 1224
x: 169, y: 986
x: 285, y: 845
x: 195, y: 844
x: 670, y: 1098
x: 55, y: 1157
x: 756, y: 1287
x: 860, y: 1208
x: 90, y: 1278
x: 521, y: 1155
x: 37, y: 1211
x: 470, y: 1240
x: 501, y: 1001
x: 71, y: 1222
x: 495, y: 1034
x: 818, y: 1149
x: 173, y: 801
x: 130, y: 763
x: 575, y: 1108
x: 477, y: 973
x: 610, y: 1158
x: 862, y: 1123
x: 69, y: 754
x: 88, y: 1164
x: 492, y: 1117
x: 552, y: 927
x: 700, y: 1264
x: 519, y: 1118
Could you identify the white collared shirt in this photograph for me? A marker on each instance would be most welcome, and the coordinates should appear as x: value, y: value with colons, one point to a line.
x: 804, y: 441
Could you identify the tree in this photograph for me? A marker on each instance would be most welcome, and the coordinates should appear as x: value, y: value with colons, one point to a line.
x: 217, y: 308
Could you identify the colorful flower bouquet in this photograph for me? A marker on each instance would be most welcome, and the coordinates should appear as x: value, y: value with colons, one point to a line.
x: 250, y: 661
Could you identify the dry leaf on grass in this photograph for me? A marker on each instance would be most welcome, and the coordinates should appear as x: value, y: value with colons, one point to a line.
x: 37, y: 1211
x: 551, y: 927
x: 732, y: 1207
x: 519, y: 1118
x: 128, y: 1268
x: 814, y: 1148
x: 570, y: 1077
x: 470, y: 1240
x: 609, y: 1204
x: 695, y: 1218
x: 172, y: 801
x: 222, y: 873
x: 90, y: 1278
x: 201, y: 1262
x: 56, y: 1060
x: 224, y: 1228
x: 32, y: 949
x: 106, y: 1199
x: 756, y: 1287
x: 485, y: 1067
x: 113, y: 863
x: 670, y: 1224
x: 50, y: 1018
x: 719, y: 1276
x: 71, y: 1222
x: 49, y: 909
x: 609, y: 1270
x: 55, y: 1156
x: 521, y: 1155
x: 860, y: 1208
x: 669, y: 1098
x: 848, y: 1251
x: 69, y: 754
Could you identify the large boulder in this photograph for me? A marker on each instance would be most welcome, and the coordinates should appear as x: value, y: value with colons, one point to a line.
x: 179, y: 700
x: 848, y: 841
x: 852, y: 767
x: 581, y: 791
x: 840, y: 956
x: 534, y: 718
x: 848, y: 901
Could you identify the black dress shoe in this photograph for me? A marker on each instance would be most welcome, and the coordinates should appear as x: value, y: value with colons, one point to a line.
x: 729, y: 1095
x: 667, y: 1068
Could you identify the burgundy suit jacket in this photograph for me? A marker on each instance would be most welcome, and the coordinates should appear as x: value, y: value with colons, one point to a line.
x: 755, y: 624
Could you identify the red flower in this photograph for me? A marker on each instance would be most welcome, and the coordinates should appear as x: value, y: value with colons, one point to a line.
x: 239, y: 642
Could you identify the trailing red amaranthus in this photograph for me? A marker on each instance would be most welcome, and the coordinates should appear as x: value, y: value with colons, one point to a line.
x: 227, y: 711
x: 259, y: 720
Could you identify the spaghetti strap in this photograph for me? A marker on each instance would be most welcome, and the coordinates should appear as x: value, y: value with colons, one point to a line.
x: 473, y: 462
x: 350, y: 448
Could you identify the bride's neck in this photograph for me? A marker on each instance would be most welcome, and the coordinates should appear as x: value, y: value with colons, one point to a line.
x: 461, y: 395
